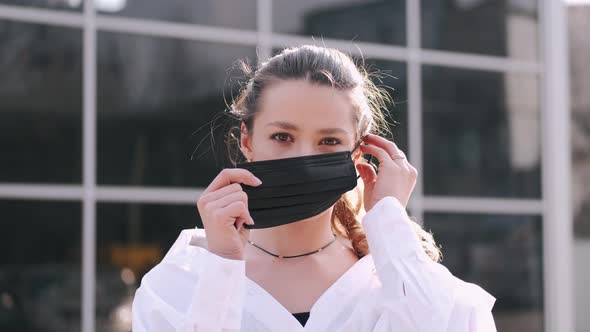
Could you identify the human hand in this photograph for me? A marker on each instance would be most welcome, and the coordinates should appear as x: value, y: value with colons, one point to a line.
x: 223, y: 207
x: 396, y: 177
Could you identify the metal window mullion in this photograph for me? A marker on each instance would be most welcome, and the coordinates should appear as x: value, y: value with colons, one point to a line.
x: 89, y: 169
x: 491, y: 205
x: 369, y: 50
x: 556, y: 168
x: 478, y: 62
x: 44, y: 16
x: 54, y: 192
x: 264, y: 24
x: 154, y: 195
x: 188, y: 196
x: 185, y: 31
x: 196, y: 32
x: 414, y: 83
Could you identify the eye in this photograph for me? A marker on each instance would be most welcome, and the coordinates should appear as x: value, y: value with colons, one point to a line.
x: 331, y: 141
x: 281, y: 137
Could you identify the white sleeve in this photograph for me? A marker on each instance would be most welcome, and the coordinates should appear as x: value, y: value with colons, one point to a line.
x: 417, y: 291
x: 192, y: 290
x: 481, y: 319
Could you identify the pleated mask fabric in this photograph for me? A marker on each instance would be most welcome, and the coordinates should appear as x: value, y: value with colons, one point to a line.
x: 297, y: 188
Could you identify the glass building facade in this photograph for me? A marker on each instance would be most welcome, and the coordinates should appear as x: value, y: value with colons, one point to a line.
x: 103, y: 105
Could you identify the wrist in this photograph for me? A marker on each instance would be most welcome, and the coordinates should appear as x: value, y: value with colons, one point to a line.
x: 232, y: 256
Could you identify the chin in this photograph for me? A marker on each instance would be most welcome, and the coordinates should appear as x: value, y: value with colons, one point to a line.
x: 328, y: 212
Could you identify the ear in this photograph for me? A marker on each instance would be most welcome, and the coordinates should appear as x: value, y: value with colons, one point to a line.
x: 357, y: 154
x: 356, y: 158
x: 245, y: 142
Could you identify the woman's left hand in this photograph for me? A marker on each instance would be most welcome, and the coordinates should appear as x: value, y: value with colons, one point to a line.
x: 396, y: 178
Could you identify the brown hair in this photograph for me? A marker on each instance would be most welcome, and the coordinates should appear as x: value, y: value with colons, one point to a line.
x: 331, y: 67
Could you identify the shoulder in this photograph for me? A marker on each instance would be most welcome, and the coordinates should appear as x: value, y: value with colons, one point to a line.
x: 463, y: 300
x: 472, y: 308
x: 437, y: 298
x: 167, y: 286
x: 189, y: 247
x: 184, y: 254
x: 192, y: 236
x: 181, y: 263
x: 472, y: 295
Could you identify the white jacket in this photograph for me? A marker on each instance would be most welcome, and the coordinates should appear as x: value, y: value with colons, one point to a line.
x: 396, y: 287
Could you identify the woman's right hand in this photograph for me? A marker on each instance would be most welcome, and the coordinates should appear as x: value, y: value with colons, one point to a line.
x: 223, y: 208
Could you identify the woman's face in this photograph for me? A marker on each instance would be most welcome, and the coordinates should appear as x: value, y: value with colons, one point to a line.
x: 296, y: 118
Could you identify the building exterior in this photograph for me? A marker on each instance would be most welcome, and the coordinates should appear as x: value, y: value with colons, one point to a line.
x: 105, y: 109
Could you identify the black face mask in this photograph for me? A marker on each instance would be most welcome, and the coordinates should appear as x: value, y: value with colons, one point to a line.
x: 297, y: 188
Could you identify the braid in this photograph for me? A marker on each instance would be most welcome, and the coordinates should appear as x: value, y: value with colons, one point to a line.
x: 345, y: 222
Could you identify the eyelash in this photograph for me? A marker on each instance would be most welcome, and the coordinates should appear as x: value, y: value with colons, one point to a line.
x: 274, y: 136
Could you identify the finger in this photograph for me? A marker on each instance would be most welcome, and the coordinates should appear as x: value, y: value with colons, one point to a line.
x: 367, y: 172
x: 232, y: 175
x: 239, y: 212
x: 381, y: 155
x: 383, y: 143
x: 219, y: 193
x: 244, y: 233
x: 239, y: 223
x: 226, y: 201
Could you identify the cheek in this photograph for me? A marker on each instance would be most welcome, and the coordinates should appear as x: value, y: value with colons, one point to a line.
x: 264, y: 148
x: 265, y: 155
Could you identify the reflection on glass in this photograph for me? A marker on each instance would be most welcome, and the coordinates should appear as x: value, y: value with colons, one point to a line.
x: 352, y: 20
x: 40, y: 266
x: 226, y: 13
x: 481, y: 133
x: 69, y: 5
x: 153, y: 94
x: 501, y: 28
x: 502, y: 254
x: 131, y: 239
x: 40, y: 103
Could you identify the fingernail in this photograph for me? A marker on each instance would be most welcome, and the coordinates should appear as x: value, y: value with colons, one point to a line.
x: 258, y: 181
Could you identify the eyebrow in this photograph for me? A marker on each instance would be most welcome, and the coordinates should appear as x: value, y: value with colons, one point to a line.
x: 290, y: 126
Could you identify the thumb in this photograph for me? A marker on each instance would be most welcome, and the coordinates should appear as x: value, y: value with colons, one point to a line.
x: 366, y: 172
x: 244, y: 233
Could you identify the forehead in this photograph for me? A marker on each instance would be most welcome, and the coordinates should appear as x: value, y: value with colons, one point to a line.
x: 306, y: 104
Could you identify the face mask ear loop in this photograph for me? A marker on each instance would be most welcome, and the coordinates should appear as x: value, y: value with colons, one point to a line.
x: 370, y: 156
x: 356, y: 147
x: 357, y: 144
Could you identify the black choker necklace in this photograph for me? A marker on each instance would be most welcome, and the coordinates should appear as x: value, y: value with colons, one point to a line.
x: 309, y: 253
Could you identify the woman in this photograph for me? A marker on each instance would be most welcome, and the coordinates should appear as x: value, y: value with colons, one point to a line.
x: 286, y: 244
